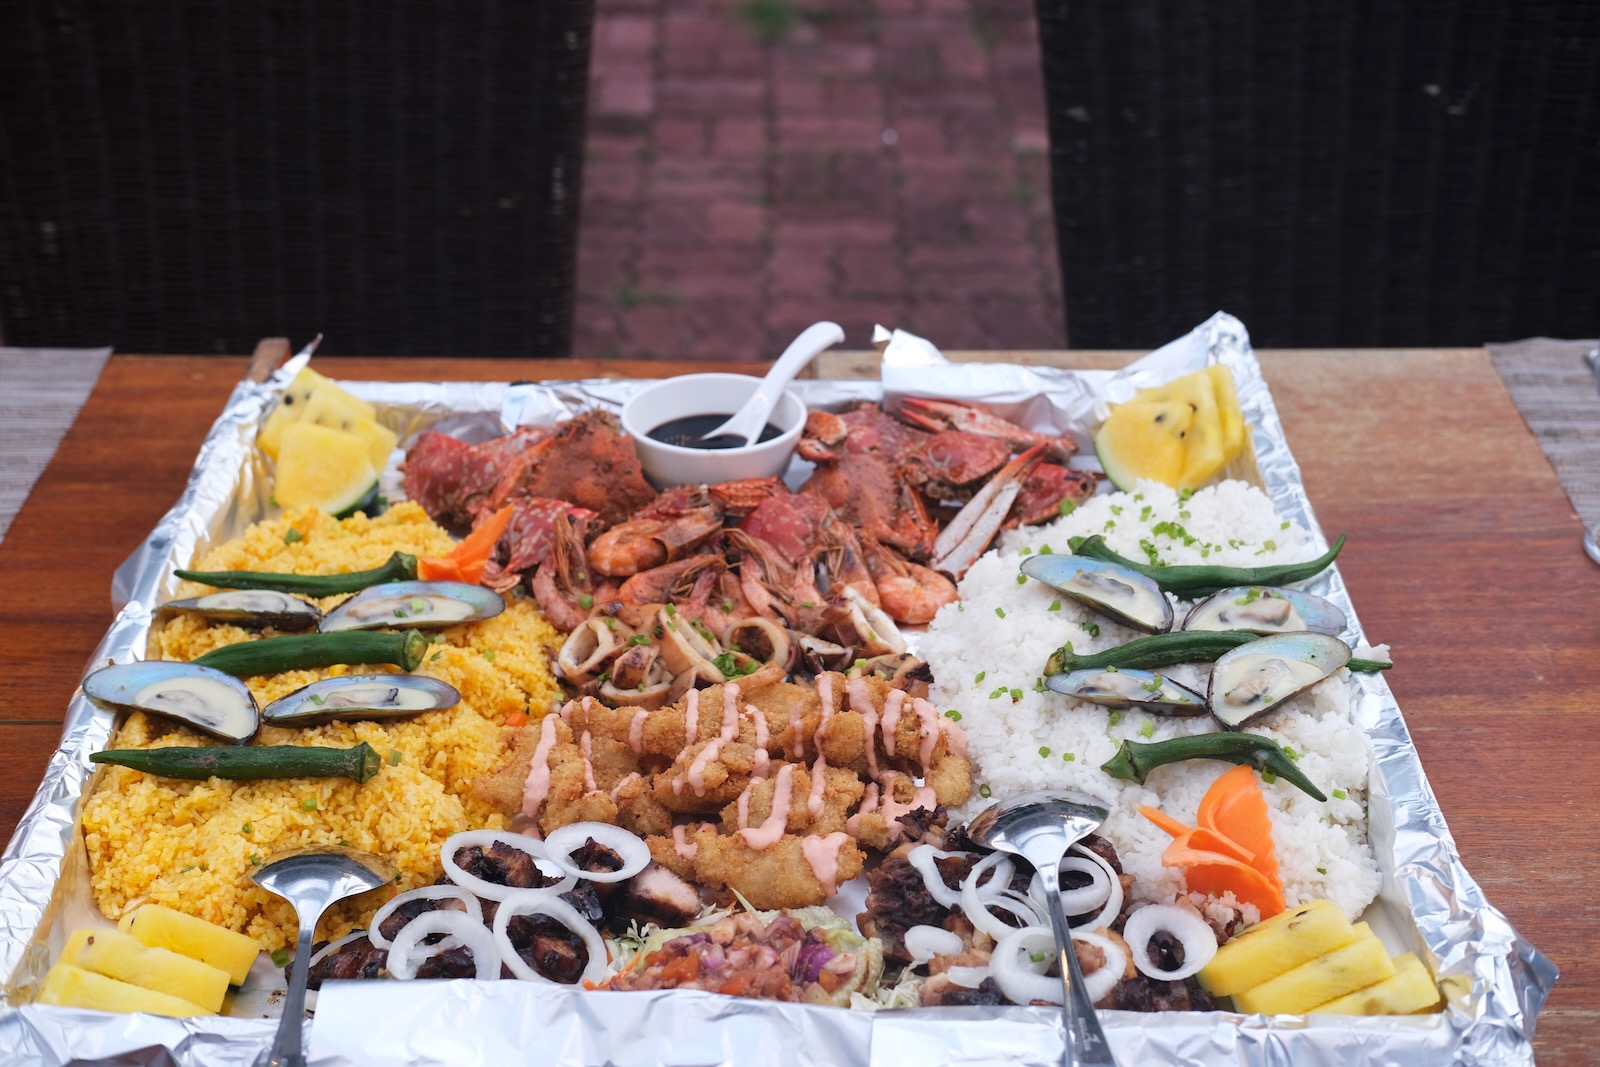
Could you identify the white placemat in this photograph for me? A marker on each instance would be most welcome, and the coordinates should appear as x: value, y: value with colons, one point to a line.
x: 41, y: 390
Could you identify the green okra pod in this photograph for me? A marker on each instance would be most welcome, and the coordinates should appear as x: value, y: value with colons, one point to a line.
x: 271, y: 655
x: 1163, y: 650
x: 400, y: 567
x: 247, y: 762
x: 1191, y: 582
x: 1135, y: 759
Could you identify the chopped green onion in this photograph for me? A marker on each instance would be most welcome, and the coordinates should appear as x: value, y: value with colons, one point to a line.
x: 293, y: 536
x: 1022, y: 579
x: 186, y: 870
x: 953, y: 715
x: 985, y: 792
x: 418, y: 604
x: 247, y: 828
x: 255, y: 858
x: 1044, y: 751
x: 1068, y: 757
x: 316, y: 698
x: 1147, y: 728
x: 638, y: 639
x: 1091, y: 628
x: 1055, y: 605
x: 980, y: 677
x: 1046, y: 550
x: 488, y: 654
x: 1016, y: 695
x: 1340, y: 794
x: 281, y: 957
x: 672, y: 609
x: 395, y: 756
x: 1066, y: 507
x: 1114, y: 718
x: 1001, y: 612
x: 1322, y: 870
x: 1270, y: 546
x: 586, y: 602
x: 1025, y: 551
x: 308, y: 804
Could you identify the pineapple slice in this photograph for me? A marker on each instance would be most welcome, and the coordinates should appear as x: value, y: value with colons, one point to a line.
x: 159, y: 926
x: 124, y: 957
x: 1270, y: 948
x: 1410, y: 990
x: 1357, y: 965
x: 67, y: 986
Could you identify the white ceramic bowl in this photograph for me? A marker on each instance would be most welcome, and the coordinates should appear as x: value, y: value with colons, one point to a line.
x: 708, y: 394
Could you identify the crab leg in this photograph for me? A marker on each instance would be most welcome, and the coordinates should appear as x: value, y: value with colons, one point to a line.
x: 936, y: 415
x: 975, y: 525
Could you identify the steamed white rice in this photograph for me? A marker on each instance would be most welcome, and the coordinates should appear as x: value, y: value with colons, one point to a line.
x: 988, y: 653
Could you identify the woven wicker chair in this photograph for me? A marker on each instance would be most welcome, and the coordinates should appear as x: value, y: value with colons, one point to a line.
x: 1334, y: 174
x: 190, y: 177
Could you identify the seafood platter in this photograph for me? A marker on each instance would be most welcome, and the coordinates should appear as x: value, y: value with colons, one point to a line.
x: 688, y: 771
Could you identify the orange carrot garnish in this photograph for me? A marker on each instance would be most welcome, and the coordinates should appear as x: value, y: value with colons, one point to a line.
x: 466, y: 562
x: 1230, y: 848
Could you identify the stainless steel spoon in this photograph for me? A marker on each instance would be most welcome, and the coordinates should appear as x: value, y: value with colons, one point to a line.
x: 312, y: 880
x: 751, y: 418
x: 1040, y: 827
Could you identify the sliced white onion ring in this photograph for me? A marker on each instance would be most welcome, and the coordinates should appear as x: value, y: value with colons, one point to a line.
x: 469, y: 903
x: 568, y: 839
x: 494, y: 890
x: 967, y: 977
x: 1102, y: 979
x: 407, y: 952
x: 922, y: 858
x: 334, y: 946
x: 538, y: 902
x: 1080, y: 900
x: 926, y: 942
x: 1198, y: 942
x: 976, y: 904
x: 1022, y: 979
x: 1113, y: 889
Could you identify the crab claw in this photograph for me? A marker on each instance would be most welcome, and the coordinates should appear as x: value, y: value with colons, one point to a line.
x: 951, y: 415
x: 974, y: 526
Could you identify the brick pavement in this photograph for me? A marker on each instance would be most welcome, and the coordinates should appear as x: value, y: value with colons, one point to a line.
x: 756, y: 165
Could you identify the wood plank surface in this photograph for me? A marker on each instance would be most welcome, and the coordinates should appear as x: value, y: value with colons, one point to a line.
x: 1463, y: 555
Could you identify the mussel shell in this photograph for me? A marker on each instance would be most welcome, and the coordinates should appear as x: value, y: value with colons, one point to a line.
x: 1249, y: 681
x: 202, y: 697
x: 1266, y: 609
x: 256, y: 608
x: 1145, y: 690
x: 361, y: 696
x: 414, y: 606
x: 1113, y: 590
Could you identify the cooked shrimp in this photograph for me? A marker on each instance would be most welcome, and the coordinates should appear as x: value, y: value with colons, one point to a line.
x: 908, y: 591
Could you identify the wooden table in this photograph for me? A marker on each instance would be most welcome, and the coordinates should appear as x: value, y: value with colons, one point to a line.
x: 1464, y: 556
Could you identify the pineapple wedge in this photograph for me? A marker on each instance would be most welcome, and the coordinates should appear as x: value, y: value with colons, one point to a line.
x: 67, y: 986
x: 1228, y: 410
x: 159, y: 926
x: 1270, y: 948
x: 1410, y: 990
x: 125, y: 958
x: 335, y: 409
x: 1357, y: 965
x: 306, y: 385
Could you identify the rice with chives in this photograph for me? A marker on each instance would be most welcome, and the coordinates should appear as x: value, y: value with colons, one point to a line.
x: 192, y: 845
x: 988, y: 653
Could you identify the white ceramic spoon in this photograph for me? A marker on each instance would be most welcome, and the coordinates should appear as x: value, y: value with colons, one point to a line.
x: 751, y: 418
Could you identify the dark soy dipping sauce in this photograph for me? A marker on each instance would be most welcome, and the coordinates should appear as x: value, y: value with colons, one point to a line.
x: 687, y: 431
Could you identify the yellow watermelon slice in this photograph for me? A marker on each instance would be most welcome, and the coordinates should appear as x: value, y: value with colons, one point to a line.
x: 327, y: 468
x: 1144, y: 439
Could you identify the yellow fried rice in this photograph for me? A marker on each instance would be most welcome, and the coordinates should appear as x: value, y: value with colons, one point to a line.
x: 192, y: 845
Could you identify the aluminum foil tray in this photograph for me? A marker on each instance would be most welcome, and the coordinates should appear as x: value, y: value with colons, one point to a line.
x: 1495, y: 981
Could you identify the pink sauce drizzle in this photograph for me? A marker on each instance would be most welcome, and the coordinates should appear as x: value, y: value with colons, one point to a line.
x: 730, y: 730
x: 634, y: 777
x: 869, y: 804
x: 891, y: 718
x: 893, y: 811
x: 822, y: 853
x: 927, y: 730
x: 538, y: 783
x: 636, y: 730
x: 691, y: 717
x: 588, y: 766
x: 819, y: 781
x: 686, y: 848
x: 794, y: 741
x: 861, y: 703
x: 767, y: 834
x: 761, y: 757
x: 825, y: 695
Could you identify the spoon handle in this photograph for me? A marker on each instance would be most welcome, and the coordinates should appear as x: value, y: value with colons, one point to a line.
x: 813, y: 340
x: 287, y: 1047
x: 1085, y: 1042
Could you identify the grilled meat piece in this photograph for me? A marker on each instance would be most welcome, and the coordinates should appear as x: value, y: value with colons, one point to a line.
x: 898, y: 899
x: 357, y: 959
x: 548, y: 947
